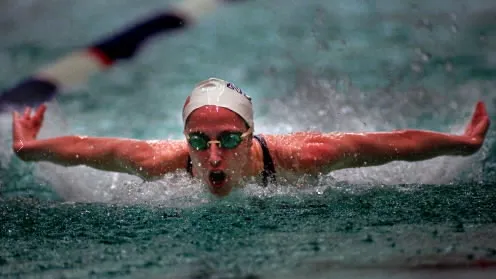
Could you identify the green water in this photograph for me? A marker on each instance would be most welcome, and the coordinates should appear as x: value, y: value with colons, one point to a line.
x: 319, y: 64
x: 250, y: 237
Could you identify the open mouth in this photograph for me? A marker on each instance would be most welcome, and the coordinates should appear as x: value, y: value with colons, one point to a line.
x: 217, y: 178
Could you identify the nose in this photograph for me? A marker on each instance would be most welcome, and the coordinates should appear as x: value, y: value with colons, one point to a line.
x: 214, y: 155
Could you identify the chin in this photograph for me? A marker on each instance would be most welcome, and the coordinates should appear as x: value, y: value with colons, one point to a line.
x: 220, y: 192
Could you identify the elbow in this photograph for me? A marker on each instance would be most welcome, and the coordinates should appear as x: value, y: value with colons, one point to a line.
x: 146, y: 171
x: 149, y: 178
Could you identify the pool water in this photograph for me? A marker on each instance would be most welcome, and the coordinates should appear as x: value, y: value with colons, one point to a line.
x: 308, y: 65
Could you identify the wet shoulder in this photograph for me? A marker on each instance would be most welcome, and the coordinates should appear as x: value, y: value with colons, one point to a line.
x: 285, y: 152
x: 283, y: 148
x: 302, y: 152
x: 281, y: 142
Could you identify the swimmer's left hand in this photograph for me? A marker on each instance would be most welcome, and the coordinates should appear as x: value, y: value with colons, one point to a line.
x: 476, y: 130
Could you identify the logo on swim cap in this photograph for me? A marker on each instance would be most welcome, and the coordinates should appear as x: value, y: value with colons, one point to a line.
x: 235, y: 88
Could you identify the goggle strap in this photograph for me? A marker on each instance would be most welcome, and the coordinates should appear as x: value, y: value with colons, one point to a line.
x: 248, y: 132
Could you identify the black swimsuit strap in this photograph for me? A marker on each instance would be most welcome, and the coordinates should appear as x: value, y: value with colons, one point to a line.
x: 269, y: 171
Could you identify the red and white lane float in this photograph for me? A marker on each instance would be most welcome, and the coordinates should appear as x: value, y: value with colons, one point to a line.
x: 76, y: 67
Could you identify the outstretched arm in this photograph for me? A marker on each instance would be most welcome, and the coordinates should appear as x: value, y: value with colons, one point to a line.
x: 147, y: 159
x: 326, y: 152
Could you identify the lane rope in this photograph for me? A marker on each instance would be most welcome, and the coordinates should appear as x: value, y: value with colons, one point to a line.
x: 77, y: 67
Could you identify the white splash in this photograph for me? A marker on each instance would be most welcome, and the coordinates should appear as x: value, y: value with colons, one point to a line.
x: 353, y: 111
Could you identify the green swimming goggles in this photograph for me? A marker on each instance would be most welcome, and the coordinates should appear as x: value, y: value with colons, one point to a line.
x: 226, y: 140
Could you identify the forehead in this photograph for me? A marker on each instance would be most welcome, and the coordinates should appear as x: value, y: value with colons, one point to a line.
x: 214, y: 118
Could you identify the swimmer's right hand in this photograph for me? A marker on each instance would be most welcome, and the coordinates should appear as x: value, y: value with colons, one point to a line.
x: 26, y: 126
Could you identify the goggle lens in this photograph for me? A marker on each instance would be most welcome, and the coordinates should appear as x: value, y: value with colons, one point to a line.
x: 228, y: 140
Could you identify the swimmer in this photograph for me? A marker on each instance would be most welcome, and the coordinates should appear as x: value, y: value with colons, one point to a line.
x: 221, y: 149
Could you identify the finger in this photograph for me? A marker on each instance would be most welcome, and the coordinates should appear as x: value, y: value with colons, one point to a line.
x: 482, y: 128
x: 480, y: 109
x: 15, y: 116
x: 477, y: 123
x: 27, y: 112
x: 479, y: 114
x: 40, y: 113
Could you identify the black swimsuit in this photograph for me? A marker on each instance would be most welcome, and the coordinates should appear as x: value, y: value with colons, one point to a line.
x: 269, y: 171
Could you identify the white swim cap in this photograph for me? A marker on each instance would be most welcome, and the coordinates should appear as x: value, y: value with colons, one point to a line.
x: 218, y: 92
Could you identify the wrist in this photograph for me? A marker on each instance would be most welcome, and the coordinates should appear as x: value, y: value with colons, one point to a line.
x: 22, y: 150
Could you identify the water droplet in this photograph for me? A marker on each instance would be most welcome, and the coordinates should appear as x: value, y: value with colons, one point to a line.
x: 140, y: 168
x: 368, y: 239
x: 424, y: 23
x: 425, y: 57
x: 416, y: 67
x: 199, y: 165
x: 448, y: 67
x: 77, y: 156
x: 449, y: 249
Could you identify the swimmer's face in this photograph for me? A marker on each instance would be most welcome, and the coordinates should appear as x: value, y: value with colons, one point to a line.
x: 219, y: 167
